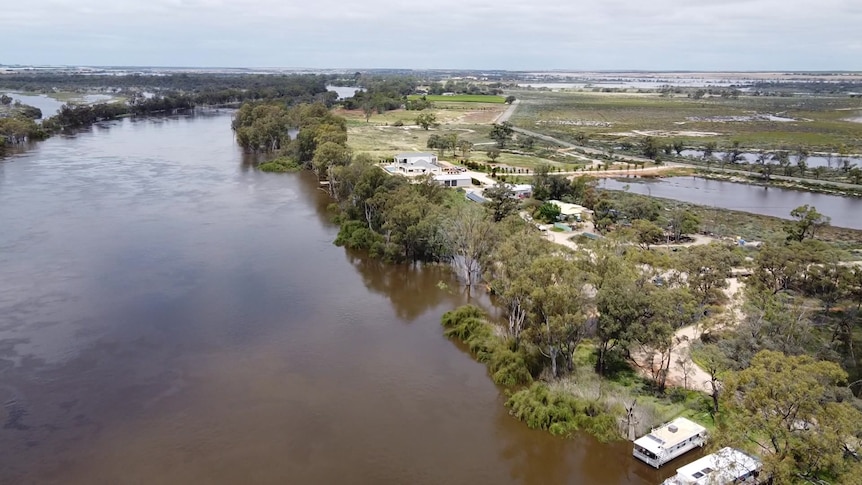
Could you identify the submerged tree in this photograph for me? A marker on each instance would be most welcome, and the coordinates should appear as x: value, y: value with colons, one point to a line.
x: 471, y: 238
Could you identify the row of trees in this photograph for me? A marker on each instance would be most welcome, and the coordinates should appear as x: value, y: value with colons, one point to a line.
x: 789, y: 162
x: 207, y: 89
x: 288, y: 90
x: 75, y: 116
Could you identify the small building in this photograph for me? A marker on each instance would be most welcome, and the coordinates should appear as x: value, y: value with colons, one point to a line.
x: 572, y: 211
x: 521, y: 191
x: 669, y: 441
x: 415, y: 163
x: 724, y: 467
x: 454, y: 180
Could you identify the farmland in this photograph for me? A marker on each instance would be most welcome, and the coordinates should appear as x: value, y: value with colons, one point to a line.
x: 819, y: 123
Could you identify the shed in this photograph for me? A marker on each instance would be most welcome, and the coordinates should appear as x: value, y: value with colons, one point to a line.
x: 454, y: 180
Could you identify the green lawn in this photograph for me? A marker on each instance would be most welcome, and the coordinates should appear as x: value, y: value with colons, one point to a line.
x: 462, y: 98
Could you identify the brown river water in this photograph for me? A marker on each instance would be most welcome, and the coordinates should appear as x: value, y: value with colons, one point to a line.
x: 169, y: 315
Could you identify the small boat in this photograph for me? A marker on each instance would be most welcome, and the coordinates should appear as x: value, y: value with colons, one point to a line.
x: 724, y: 467
x: 669, y: 441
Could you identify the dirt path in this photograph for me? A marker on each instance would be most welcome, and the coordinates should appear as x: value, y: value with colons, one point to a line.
x: 683, y: 371
x: 505, y: 115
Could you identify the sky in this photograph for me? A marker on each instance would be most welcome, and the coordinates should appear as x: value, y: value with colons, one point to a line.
x: 712, y: 35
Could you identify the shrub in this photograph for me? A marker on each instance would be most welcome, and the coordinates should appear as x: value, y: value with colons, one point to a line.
x: 281, y: 164
x: 507, y: 367
x: 356, y: 235
x: 541, y: 407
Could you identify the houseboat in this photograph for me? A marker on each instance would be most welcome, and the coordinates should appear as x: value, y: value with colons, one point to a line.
x: 669, y: 441
x: 724, y: 467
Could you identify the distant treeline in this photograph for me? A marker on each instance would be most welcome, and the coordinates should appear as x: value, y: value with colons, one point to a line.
x: 182, y: 92
x: 839, y: 87
x: 205, y: 88
x: 76, y: 116
x: 381, y: 93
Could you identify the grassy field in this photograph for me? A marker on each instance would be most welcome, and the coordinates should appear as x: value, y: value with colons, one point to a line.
x: 819, y: 122
x: 462, y: 98
x: 380, y: 136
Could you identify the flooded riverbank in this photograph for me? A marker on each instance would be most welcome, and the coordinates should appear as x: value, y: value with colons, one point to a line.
x: 770, y: 201
x: 168, y: 314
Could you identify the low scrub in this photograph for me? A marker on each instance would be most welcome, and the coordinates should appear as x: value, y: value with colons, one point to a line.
x: 560, y: 413
x: 460, y: 98
x: 507, y: 367
x: 281, y: 164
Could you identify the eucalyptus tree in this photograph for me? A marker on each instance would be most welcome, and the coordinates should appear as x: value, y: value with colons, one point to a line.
x: 471, y: 238
x: 796, y: 410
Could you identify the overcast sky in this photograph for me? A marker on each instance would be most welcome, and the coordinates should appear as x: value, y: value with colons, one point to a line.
x: 477, y: 34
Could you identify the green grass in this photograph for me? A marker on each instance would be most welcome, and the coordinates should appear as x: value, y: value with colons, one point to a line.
x: 462, y: 98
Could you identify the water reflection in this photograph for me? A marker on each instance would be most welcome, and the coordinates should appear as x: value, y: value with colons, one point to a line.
x: 168, y: 315
x: 770, y: 201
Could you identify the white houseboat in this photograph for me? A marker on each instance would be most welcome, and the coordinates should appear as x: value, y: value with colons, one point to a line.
x: 669, y: 441
x: 724, y: 467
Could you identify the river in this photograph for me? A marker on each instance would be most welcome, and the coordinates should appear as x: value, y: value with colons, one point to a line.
x: 170, y: 315
x: 835, y: 161
x: 770, y: 201
x: 51, y: 106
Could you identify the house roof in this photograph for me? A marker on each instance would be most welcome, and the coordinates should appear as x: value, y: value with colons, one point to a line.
x: 723, y: 466
x: 669, y: 435
x: 414, y: 154
x: 569, y: 209
x: 424, y: 164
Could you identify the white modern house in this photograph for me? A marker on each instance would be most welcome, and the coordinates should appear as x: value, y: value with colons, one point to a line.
x: 669, y: 441
x: 415, y: 163
x: 454, y: 180
x: 724, y: 467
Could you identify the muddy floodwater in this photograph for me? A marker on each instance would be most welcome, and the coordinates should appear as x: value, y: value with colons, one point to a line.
x: 169, y: 315
x: 768, y: 201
